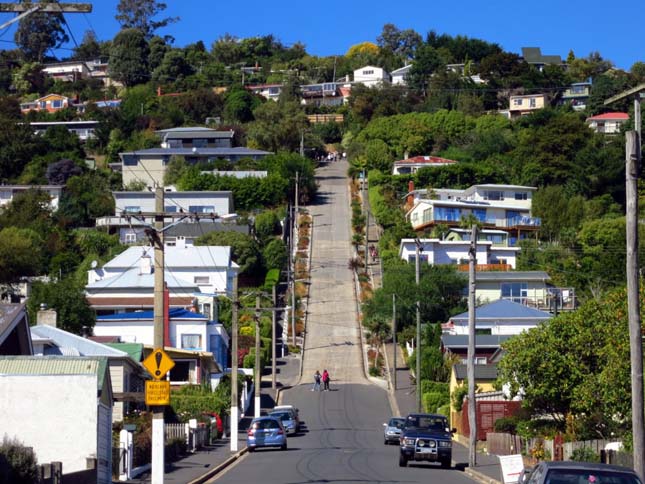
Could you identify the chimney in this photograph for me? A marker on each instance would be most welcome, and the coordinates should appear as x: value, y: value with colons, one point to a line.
x: 410, y: 201
x: 46, y: 317
x: 145, y: 265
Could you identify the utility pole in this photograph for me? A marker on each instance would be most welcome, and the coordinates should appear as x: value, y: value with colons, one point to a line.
x: 274, y: 300
x: 302, y: 143
x: 234, y: 396
x: 394, y: 339
x: 25, y: 9
x: 472, y: 411
x: 257, y: 372
x: 158, y: 433
x: 632, y: 169
x: 633, y: 159
x: 417, y: 268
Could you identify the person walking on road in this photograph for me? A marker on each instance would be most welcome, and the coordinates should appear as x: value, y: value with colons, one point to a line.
x: 317, y: 378
x: 325, y: 379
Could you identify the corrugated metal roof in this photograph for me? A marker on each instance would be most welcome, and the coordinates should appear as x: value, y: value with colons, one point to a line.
x: 72, y: 344
x: 199, y: 256
x: 134, y: 350
x: 482, y: 372
x: 133, y: 278
x: 503, y: 309
x: 54, y: 365
x: 8, y: 315
x: 481, y: 340
x: 512, y: 276
x: 239, y: 151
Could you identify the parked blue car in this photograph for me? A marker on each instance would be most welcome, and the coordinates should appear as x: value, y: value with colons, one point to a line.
x: 266, y: 432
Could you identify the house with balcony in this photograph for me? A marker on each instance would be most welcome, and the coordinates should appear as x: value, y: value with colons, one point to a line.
x: 415, y: 163
x: 199, y: 345
x: 194, y: 277
x: 607, y: 123
x: 577, y: 95
x: 525, y: 104
x: 321, y: 94
x: 530, y: 288
x: 51, y: 103
x: 211, y: 211
x: 267, y: 91
x: 499, y: 207
x: 371, y: 76
x: 456, y: 252
x: 195, y: 137
x: 83, y: 129
x: 149, y: 165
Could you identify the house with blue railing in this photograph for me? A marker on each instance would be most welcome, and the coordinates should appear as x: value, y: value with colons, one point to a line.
x: 499, y: 207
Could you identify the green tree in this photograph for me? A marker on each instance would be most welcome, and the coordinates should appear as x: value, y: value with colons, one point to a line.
x: 21, y: 254
x: 89, y: 48
x: 402, y: 43
x: 68, y: 299
x: 427, y: 61
x: 267, y: 225
x: 18, y: 463
x: 176, y: 168
x: 275, y: 255
x: 129, y: 57
x: 38, y: 32
x: 278, y: 126
x: 139, y: 14
x: 239, y: 105
x: 558, y: 211
x: 245, y: 251
x: 173, y: 67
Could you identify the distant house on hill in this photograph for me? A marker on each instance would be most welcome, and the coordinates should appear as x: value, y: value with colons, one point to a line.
x: 608, y: 123
x: 371, y: 76
x: 195, y: 137
x: 51, y: 103
x: 415, y: 163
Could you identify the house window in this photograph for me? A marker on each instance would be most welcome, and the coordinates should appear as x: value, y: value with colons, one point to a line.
x: 447, y: 214
x: 515, y: 291
x: 517, y: 102
x: 57, y: 104
x: 493, y: 195
x: 423, y: 258
x: 200, y: 143
x: 170, y: 209
x: 533, y: 102
x: 367, y: 73
x: 202, y: 280
x: 130, y: 160
x: 483, y: 331
x: 132, y: 208
x: 175, y: 143
x: 415, y: 216
x: 130, y: 238
x: 521, y: 196
x: 170, y: 241
x: 181, y: 372
x: 43, y: 104
x: 191, y: 341
x: 201, y: 208
x: 480, y: 214
x: 480, y: 360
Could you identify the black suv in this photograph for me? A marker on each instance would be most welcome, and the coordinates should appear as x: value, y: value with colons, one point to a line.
x: 426, y: 437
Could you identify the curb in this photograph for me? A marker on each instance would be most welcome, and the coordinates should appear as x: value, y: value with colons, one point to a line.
x: 215, y: 470
x: 479, y: 477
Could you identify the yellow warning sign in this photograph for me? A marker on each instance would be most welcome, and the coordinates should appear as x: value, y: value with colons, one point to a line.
x: 157, y: 392
x: 158, y: 363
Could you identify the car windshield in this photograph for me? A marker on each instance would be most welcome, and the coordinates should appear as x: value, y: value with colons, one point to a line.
x: 282, y: 415
x: 268, y: 423
x: 397, y: 422
x: 583, y: 476
x: 426, y: 422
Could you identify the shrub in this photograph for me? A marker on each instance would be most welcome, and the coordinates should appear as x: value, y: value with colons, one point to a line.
x: 374, y: 371
x: 433, y: 400
x: 18, y: 464
x: 458, y: 396
x: 585, y: 454
x: 506, y: 424
x: 444, y: 410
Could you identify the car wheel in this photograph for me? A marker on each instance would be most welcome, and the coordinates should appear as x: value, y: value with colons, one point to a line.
x: 283, y: 446
x: 251, y: 449
x: 403, y: 461
x: 385, y: 441
x: 446, y: 464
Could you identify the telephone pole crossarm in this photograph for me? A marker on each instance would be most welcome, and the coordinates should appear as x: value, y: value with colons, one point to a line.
x: 46, y: 7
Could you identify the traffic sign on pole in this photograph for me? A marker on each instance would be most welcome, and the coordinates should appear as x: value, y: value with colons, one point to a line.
x: 158, y: 363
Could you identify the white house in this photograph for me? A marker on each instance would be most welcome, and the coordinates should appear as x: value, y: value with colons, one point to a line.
x: 607, y: 123
x: 415, y: 163
x: 126, y: 283
x: 371, y: 76
x: 61, y: 406
x: 126, y: 374
x: 501, y: 317
x: 504, y: 207
x: 195, y: 137
x: 149, y: 165
x: 400, y: 75
x: 184, y: 330
x: 83, y: 129
x: 435, y: 251
x: 8, y: 192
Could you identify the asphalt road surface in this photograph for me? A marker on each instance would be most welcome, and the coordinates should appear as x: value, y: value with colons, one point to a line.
x: 342, y: 437
x: 341, y: 442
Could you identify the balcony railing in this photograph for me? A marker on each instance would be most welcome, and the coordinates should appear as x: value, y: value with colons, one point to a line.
x: 552, y: 302
x: 486, y: 267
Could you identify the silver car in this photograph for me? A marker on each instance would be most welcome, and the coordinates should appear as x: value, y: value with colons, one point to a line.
x: 288, y: 421
x: 392, y: 430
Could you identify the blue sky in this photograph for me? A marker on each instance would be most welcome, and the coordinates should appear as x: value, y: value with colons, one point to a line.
x: 331, y: 26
